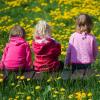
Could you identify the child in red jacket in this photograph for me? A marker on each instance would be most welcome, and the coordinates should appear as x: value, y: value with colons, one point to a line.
x: 46, y: 49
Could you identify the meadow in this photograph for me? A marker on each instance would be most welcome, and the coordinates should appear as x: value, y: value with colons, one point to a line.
x: 61, y: 15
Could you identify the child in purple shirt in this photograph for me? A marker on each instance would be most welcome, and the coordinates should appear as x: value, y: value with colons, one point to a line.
x: 82, y: 49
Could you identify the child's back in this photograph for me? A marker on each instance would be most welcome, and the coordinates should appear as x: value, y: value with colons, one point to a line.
x: 17, y: 54
x: 46, y: 50
x: 46, y: 55
x: 83, y: 48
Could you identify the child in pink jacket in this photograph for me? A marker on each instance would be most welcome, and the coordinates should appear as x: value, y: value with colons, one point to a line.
x: 46, y: 49
x: 17, y: 53
x: 82, y: 50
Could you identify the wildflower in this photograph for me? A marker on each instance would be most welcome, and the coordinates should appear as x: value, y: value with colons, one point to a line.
x: 17, y: 97
x: 89, y: 94
x: 54, y: 95
x: 38, y: 88
x: 49, y: 80
x: 58, y: 78
x: 1, y: 80
x: 22, y: 77
x: 83, y: 95
x: 56, y: 92
x: 28, y: 79
x: 70, y: 96
x: 62, y: 89
x: 97, y: 75
x: 1, y: 75
x: 52, y: 89
x: 28, y: 98
x: 18, y: 77
x: 10, y: 98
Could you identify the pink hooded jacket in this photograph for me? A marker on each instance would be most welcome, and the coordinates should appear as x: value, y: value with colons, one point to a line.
x: 46, y: 55
x: 17, y: 55
x: 82, y: 49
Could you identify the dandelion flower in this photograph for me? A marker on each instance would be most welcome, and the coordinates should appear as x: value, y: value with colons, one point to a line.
x: 38, y: 87
x: 28, y: 98
x: 1, y: 80
x: 22, y: 77
x: 89, y: 94
x: 70, y: 96
x: 62, y: 89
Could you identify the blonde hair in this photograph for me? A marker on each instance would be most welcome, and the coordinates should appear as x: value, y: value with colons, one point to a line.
x: 42, y: 29
x: 17, y: 31
x: 84, y: 23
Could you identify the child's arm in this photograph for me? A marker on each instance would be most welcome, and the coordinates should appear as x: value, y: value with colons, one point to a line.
x: 95, y: 48
x: 28, y: 57
x: 3, y: 57
x: 68, y: 54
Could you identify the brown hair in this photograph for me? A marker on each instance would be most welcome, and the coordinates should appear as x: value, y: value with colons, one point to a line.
x: 17, y: 31
x: 84, y: 23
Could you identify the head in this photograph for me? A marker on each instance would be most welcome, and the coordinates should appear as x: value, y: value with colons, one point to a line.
x: 17, y: 31
x: 42, y: 30
x: 84, y: 23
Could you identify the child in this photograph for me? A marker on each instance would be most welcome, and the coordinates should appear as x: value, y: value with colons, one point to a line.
x: 17, y: 54
x: 46, y: 49
x: 82, y: 50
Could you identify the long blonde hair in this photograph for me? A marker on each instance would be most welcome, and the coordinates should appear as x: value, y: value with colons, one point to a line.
x: 42, y: 30
x: 84, y: 23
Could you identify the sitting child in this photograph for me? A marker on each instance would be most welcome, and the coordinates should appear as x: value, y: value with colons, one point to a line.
x: 82, y: 49
x: 46, y: 49
x: 17, y: 53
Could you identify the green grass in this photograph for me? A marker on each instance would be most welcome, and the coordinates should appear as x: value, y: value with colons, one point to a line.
x: 50, y: 88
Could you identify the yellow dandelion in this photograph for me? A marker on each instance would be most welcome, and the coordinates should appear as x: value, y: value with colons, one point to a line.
x: 38, y: 87
x: 28, y: 98
x: 56, y: 92
x: 17, y: 97
x: 1, y: 75
x: 83, y: 95
x: 62, y: 90
x: 52, y: 89
x: 49, y: 80
x: 58, y: 78
x: 97, y: 75
x: 70, y: 96
x: 1, y: 80
x: 22, y: 77
x: 18, y: 77
x: 89, y: 94
x: 54, y: 95
x: 10, y: 98
x: 28, y: 79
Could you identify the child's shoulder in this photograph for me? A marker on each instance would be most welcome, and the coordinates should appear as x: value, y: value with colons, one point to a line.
x: 91, y: 36
x: 73, y: 34
x: 55, y: 41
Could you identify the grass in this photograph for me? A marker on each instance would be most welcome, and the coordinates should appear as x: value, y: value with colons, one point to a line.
x: 61, y: 16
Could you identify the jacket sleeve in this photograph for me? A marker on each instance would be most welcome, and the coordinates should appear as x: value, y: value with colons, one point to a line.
x: 56, y: 50
x: 95, y: 48
x: 28, y: 57
x: 68, y: 54
x: 4, y: 56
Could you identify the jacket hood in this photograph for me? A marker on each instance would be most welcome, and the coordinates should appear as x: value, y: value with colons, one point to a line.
x: 39, y: 48
x: 16, y: 40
